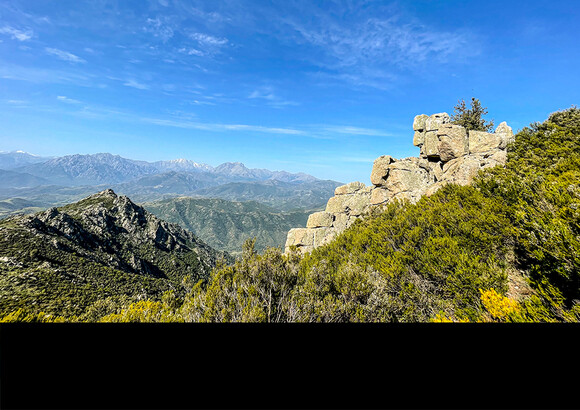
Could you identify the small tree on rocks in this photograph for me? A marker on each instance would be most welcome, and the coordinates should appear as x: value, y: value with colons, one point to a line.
x: 471, y: 118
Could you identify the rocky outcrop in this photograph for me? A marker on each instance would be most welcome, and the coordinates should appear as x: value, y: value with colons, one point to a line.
x: 112, y: 230
x: 448, y: 154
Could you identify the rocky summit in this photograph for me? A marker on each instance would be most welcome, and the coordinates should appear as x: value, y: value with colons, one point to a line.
x: 102, y: 246
x: 449, y: 153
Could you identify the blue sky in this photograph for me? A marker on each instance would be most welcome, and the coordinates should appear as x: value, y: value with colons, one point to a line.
x: 322, y: 87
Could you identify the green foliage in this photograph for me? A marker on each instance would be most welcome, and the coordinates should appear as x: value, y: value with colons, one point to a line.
x: 225, y: 225
x: 256, y: 288
x: 430, y: 257
x: 148, y: 311
x: 471, y: 118
x: 25, y: 315
x: 63, y: 265
x: 449, y: 257
x: 540, y: 188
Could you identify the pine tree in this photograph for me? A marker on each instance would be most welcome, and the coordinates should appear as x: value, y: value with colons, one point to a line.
x: 471, y: 118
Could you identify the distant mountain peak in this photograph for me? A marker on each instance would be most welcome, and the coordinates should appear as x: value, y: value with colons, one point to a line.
x: 182, y: 164
x: 14, y: 159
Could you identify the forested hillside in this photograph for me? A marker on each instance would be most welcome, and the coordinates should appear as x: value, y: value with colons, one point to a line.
x: 505, y: 248
x: 225, y: 225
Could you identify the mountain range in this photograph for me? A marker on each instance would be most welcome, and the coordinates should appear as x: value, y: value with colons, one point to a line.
x: 105, y: 168
x: 223, y: 205
x: 56, y: 181
x: 13, y: 159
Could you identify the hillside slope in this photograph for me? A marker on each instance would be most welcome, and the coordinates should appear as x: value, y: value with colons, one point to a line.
x: 284, y: 196
x: 225, y: 225
x: 65, y: 259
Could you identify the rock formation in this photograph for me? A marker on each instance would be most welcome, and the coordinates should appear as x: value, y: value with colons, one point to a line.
x: 448, y: 154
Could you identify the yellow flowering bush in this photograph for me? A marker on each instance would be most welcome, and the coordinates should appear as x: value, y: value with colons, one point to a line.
x: 501, y: 308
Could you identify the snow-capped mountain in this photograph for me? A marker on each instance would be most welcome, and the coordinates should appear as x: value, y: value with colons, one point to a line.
x: 14, y: 159
x: 181, y: 165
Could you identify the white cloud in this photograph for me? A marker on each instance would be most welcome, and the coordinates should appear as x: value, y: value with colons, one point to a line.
x: 47, y: 76
x: 67, y: 100
x: 267, y: 93
x: 191, y: 51
x: 17, y: 102
x: 217, y: 127
x: 374, y: 46
x: 394, y: 40
x: 16, y: 34
x: 346, y: 129
x: 135, y: 84
x: 208, y: 40
x: 159, y: 29
x: 64, y: 55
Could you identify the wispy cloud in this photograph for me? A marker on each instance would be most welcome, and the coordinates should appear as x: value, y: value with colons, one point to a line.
x: 207, y: 39
x: 158, y: 28
x: 15, y: 34
x: 205, y: 45
x: 136, y: 84
x: 360, y: 48
x: 47, y: 76
x: 17, y: 102
x: 349, y: 130
x: 382, y: 40
x: 267, y: 94
x: 64, y: 55
x: 67, y: 100
x: 218, y: 127
x: 190, y: 51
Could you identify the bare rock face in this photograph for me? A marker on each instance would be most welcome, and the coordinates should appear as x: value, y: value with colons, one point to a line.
x: 320, y: 219
x: 430, y: 148
x: 481, y: 141
x: 448, y: 154
x: 380, y: 196
x: 419, y: 122
x: 453, y: 142
x: 381, y: 169
x: 461, y: 171
x: 352, y: 204
x: 506, y: 134
x: 407, y: 176
x: 435, y: 121
x: 349, y: 188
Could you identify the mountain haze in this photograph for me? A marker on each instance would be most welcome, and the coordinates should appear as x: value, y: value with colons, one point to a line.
x: 277, y: 194
x: 58, y: 181
x: 11, y: 179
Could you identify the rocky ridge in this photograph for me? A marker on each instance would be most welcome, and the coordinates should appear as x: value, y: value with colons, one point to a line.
x: 449, y: 153
x: 111, y: 230
x: 63, y: 260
